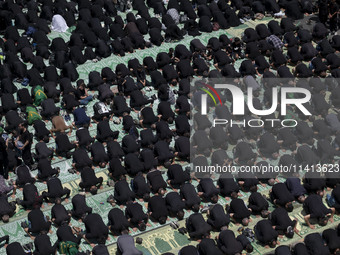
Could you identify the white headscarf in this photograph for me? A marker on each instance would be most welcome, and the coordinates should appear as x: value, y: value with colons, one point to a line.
x: 59, y: 24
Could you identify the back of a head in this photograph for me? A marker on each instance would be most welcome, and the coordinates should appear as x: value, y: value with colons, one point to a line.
x: 180, y: 215
x: 323, y: 221
x: 245, y: 221
x: 195, y: 207
x: 214, y: 199
x: 102, y: 240
x: 249, y: 248
x: 272, y: 244
x: 162, y: 220
x: 161, y: 191
x: 146, y: 197
x: 93, y: 190
x: 234, y: 194
x: 142, y: 226
x: 264, y: 214
x: 289, y: 207
x: 5, y: 218
x: 58, y: 200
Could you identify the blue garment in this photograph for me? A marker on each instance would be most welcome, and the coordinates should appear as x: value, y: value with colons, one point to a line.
x: 295, y: 187
x: 86, y: 100
x: 80, y: 117
x: 330, y: 200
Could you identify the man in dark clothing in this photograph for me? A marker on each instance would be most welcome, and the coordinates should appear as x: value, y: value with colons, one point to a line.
x: 315, y: 208
x: 163, y: 153
x: 175, y: 205
x: 15, y: 248
x: 80, y: 117
x: 258, y: 204
x: 208, y: 190
x: 23, y: 175
x: 296, y: 189
x: 268, y: 146
x: 26, y: 139
x: 156, y: 182
x: 228, y: 243
x: 31, y: 197
x: 238, y: 211
x: 89, y: 180
x: 55, y: 190
x: 84, y: 138
x: 117, y: 221
x: 66, y: 234
x: 133, y: 164
x: 315, y: 245
x: 197, y: 227
x: 123, y: 193
x: 45, y: 170
x: 81, y: 159
x: 7, y: 209
x: 116, y: 170
x: 244, y: 154
x: 189, y: 194
x: 64, y: 146
x: 13, y: 120
x: 282, y: 222
x: 95, y: 228
x: 42, y: 244
x: 208, y: 246
x: 176, y: 175
x: 104, y: 132
x: 227, y: 185
x: 281, y: 196
x: 217, y: 218
x: 265, y: 233
x: 332, y: 239
x: 99, y: 155
x: 80, y: 208
x: 140, y: 187
x: 136, y: 216
x: 42, y: 151
x: 59, y: 214
x: 41, y: 132
x: 49, y: 109
x: 37, y: 222
x: 157, y: 209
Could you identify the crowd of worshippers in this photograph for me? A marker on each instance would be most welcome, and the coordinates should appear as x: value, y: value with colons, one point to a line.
x: 100, y: 31
x: 145, y: 144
